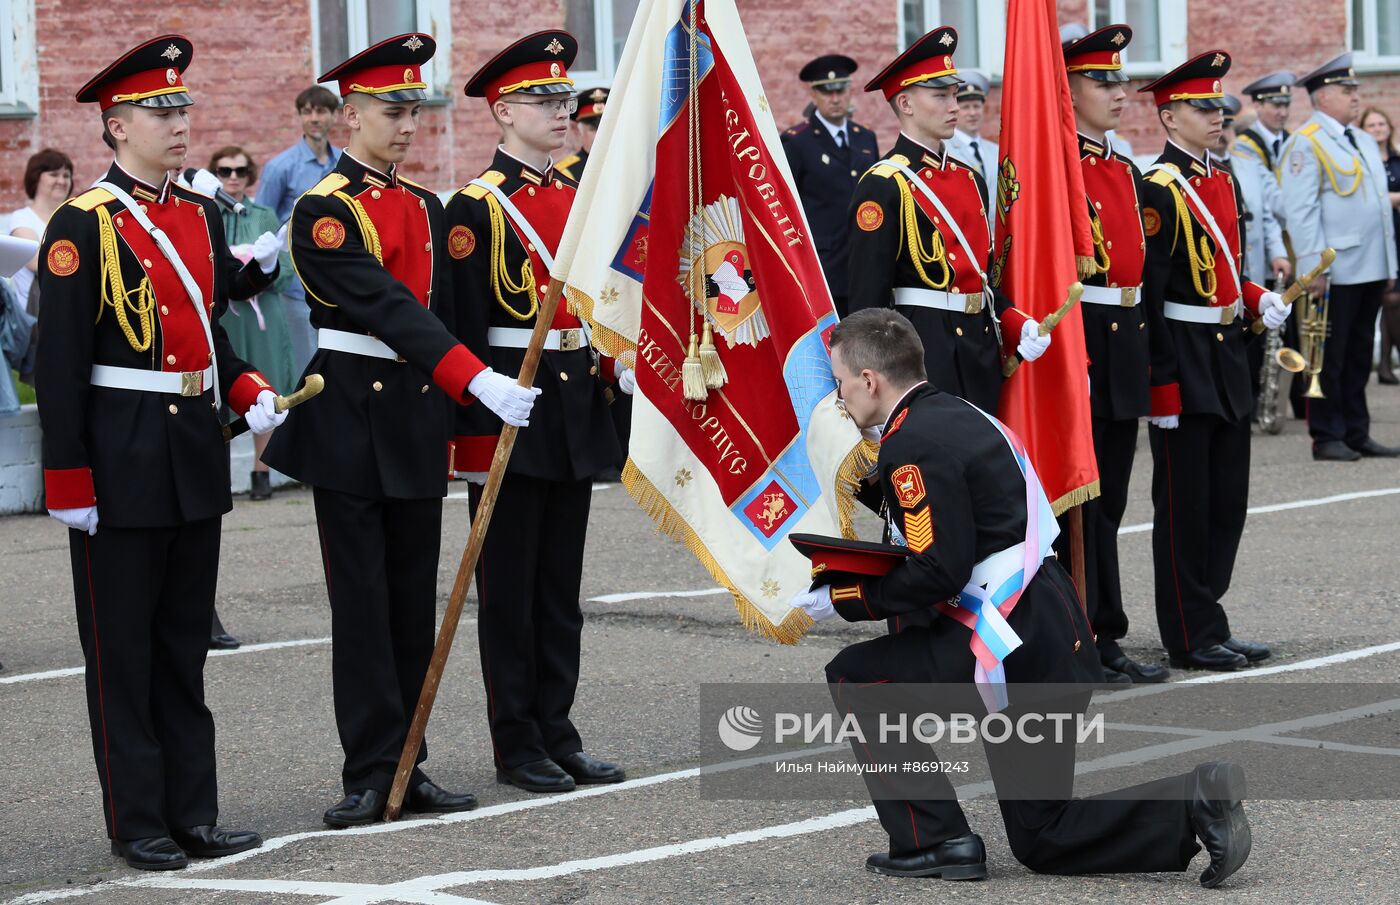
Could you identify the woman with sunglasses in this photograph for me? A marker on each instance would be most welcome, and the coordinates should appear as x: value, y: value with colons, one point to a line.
x: 257, y: 327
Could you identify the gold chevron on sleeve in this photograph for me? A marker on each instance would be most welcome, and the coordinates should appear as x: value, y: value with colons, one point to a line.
x: 918, y: 529
x: 849, y: 592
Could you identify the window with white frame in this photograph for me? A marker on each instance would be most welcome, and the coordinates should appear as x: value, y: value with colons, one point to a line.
x: 19, y: 79
x: 345, y: 27
x: 601, y: 27
x: 1375, y: 33
x: 981, y: 27
x: 1159, y: 33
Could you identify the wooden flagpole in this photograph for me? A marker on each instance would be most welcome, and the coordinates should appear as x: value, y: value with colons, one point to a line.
x: 480, y: 522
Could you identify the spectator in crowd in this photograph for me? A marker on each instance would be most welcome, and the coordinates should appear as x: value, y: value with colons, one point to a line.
x: 284, y: 178
x: 256, y: 327
x: 1377, y: 124
x: 48, y: 181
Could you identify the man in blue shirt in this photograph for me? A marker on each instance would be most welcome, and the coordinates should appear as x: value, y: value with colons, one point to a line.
x: 283, y: 180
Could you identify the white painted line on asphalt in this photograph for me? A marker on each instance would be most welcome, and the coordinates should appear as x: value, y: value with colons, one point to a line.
x: 650, y: 595
x: 245, y: 649
x: 1283, y: 507
x: 343, y: 893
x: 463, y: 494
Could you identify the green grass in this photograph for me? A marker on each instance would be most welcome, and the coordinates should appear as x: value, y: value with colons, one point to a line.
x: 26, y: 392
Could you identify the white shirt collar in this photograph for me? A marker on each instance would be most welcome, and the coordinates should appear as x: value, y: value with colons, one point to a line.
x: 1330, y: 123
x: 830, y: 126
x: 548, y: 164
x: 1205, y: 163
x: 1266, y: 133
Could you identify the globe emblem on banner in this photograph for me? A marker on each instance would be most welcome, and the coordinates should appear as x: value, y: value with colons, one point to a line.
x: 714, y: 245
x: 740, y: 728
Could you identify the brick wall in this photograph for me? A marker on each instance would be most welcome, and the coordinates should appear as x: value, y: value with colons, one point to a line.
x: 253, y: 56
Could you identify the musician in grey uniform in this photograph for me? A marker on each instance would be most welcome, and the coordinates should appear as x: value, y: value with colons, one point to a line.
x: 967, y: 143
x: 1334, y: 195
x: 1272, y: 98
x: 1265, y: 258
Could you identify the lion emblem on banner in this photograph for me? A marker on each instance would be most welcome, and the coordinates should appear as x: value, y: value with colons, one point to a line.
x: 714, y: 246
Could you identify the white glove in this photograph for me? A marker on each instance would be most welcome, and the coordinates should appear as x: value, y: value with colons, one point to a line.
x: 206, y: 182
x: 474, y: 477
x: 1165, y: 422
x: 83, y: 518
x: 626, y: 379
x: 816, y: 604
x: 263, y: 416
x: 265, y: 249
x: 1032, y: 344
x: 509, y: 400
x: 1273, y: 311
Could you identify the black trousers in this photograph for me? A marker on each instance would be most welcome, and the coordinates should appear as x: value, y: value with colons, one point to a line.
x: 1115, y: 446
x: 530, y: 624
x: 1200, y: 491
x: 381, y: 559
x: 144, y: 600
x: 1139, y: 829
x: 1346, y: 365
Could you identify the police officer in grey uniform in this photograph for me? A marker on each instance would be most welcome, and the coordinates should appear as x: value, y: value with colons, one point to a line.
x: 1334, y: 194
x: 967, y: 143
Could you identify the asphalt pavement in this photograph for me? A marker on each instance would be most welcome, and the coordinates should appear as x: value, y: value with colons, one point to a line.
x: 1316, y: 579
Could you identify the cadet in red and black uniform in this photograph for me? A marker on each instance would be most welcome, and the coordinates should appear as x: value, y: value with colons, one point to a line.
x: 827, y: 153
x: 1115, y: 331
x: 1198, y: 312
x: 950, y: 478
x: 503, y: 229
x: 585, y: 118
x: 368, y: 246
x: 905, y: 249
x: 132, y: 368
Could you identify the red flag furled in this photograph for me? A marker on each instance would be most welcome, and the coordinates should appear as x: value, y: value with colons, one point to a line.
x: 1041, y: 225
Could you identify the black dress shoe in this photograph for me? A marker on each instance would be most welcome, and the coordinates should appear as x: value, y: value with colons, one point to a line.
x: 1217, y: 817
x: 224, y: 642
x: 1252, y: 651
x: 1334, y: 451
x: 359, y: 808
x: 210, y: 841
x: 429, y: 798
x: 151, y: 853
x: 1217, y: 657
x: 1143, y: 673
x: 590, y: 770
x: 1371, y: 449
x: 1114, y: 677
x: 962, y: 858
x: 542, y: 775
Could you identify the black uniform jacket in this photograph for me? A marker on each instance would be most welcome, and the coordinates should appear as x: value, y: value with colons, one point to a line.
x: 146, y: 459
x: 368, y: 247
x: 1197, y: 368
x: 951, y: 482
x: 826, y: 177
x: 1115, y: 337
x: 499, y: 283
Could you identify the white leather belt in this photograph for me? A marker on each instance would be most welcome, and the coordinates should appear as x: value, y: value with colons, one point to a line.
x: 354, y: 343
x: 1126, y: 296
x: 961, y: 302
x: 519, y: 338
x: 1202, y: 314
x: 183, y: 383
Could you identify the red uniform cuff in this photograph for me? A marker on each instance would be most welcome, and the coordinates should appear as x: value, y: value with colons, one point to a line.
x: 68, y: 488
x: 456, y: 370
x: 243, y: 395
x: 1253, y: 292
x: 474, y: 453
x: 1011, y: 323
x: 1166, y: 400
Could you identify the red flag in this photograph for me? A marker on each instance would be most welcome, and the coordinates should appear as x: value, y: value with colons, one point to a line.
x: 1042, y: 223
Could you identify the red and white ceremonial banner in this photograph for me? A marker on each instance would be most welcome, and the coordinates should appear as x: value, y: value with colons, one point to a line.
x: 686, y: 216
x: 1042, y: 223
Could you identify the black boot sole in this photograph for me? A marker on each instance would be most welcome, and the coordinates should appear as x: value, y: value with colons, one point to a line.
x: 1229, y: 786
x: 949, y: 872
x: 503, y: 778
x: 148, y: 865
x: 1186, y: 664
x: 224, y: 852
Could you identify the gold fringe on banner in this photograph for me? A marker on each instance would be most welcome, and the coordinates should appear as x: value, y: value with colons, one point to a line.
x: 670, y: 523
x: 1075, y: 497
x: 605, y: 340
x: 848, y: 480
